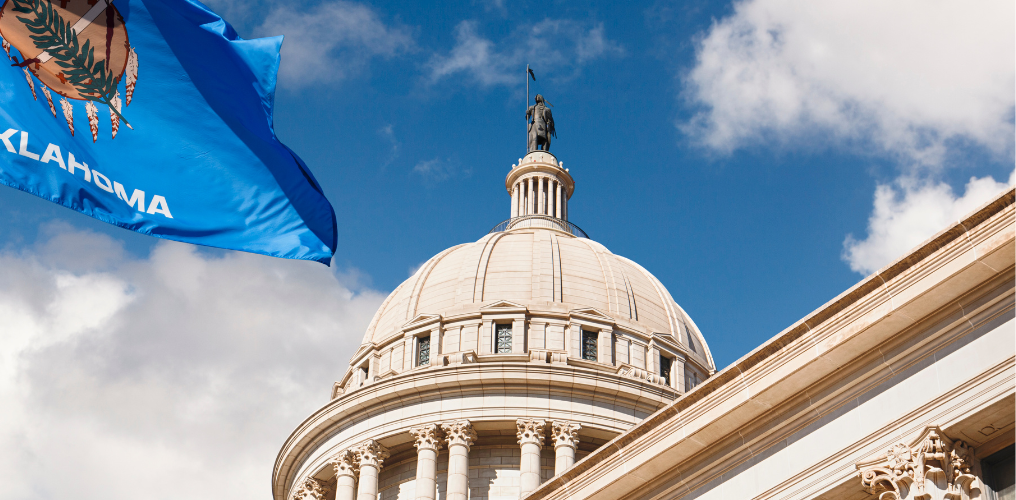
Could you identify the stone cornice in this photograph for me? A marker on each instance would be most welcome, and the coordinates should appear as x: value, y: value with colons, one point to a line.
x: 978, y: 247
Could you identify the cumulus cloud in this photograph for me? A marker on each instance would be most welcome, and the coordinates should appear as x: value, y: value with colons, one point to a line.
x: 331, y: 41
x: 563, y: 47
x: 908, y: 212
x: 180, y: 374
x: 920, y: 83
x: 909, y: 77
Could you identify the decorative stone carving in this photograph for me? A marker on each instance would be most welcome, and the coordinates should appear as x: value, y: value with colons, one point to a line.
x: 310, y: 489
x: 371, y: 453
x: 531, y: 430
x: 565, y: 433
x: 640, y: 374
x: 933, y: 467
x: 345, y: 463
x: 459, y: 433
x: 427, y: 437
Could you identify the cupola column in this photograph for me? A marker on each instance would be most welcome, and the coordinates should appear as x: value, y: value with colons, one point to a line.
x: 370, y: 454
x: 530, y: 205
x: 566, y: 440
x: 542, y: 188
x: 530, y: 434
x: 515, y: 201
x: 344, y: 465
x: 557, y: 200
x: 427, y: 442
x: 538, y: 185
x: 460, y: 436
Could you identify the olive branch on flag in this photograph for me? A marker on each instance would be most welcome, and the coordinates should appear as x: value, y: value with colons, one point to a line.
x: 52, y: 34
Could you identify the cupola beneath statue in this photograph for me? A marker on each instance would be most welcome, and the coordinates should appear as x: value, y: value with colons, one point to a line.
x: 540, y: 186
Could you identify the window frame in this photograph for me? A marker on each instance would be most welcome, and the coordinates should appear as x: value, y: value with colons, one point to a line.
x: 584, y: 343
x: 495, y: 337
x: 420, y: 341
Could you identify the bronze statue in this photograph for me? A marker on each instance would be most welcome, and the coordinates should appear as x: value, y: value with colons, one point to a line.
x: 541, y: 128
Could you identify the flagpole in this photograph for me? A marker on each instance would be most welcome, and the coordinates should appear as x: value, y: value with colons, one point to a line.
x: 527, y: 108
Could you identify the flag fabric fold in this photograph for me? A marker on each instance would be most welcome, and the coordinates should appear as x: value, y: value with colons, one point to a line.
x: 165, y: 127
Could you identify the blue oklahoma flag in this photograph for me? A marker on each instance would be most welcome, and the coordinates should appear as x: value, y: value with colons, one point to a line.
x: 155, y: 116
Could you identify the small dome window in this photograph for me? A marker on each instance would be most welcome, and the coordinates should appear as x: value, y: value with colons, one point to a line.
x: 589, y: 345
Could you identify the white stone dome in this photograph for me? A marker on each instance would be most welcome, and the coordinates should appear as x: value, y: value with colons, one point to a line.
x: 541, y: 270
x: 534, y: 331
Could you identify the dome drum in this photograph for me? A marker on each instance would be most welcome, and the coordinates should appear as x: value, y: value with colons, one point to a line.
x: 553, y: 335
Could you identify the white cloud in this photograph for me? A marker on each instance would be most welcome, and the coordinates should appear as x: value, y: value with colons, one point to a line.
x: 911, y: 211
x: 437, y: 170
x: 330, y: 41
x: 909, y: 77
x: 180, y: 373
x: 560, y: 47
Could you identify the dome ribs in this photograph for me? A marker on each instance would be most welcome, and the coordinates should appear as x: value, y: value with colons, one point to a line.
x: 421, y: 280
x: 608, y: 275
x: 470, y: 261
x: 481, y: 267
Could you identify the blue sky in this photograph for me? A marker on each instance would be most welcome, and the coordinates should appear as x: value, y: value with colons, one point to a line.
x: 758, y: 157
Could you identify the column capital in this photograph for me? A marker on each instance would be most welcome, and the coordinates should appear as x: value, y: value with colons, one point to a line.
x: 900, y: 471
x: 310, y: 489
x: 564, y: 433
x: 460, y: 433
x: 345, y: 463
x: 427, y: 437
x: 531, y: 430
x: 371, y: 453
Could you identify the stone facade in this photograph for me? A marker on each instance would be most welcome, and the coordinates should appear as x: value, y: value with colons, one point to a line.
x: 535, y: 363
x: 901, y: 388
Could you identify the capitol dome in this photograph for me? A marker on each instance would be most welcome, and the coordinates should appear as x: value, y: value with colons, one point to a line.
x: 498, y: 364
x: 541, y: 269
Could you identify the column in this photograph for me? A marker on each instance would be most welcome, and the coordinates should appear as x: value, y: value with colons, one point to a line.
x: 564, y: 205
x: 345, y: 468
x: 428, y: 441
x: 309, y: 489
x: 541, y: 188
x: 530, y: 433
x: 515, y: 201
x: 566, y: 440
x: 370, y: 454
x: 460, y: 436
x: 530, y: 205
x: 557, y: 200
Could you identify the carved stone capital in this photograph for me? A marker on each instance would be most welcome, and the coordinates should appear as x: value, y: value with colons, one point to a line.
x: 427, y: 437
x: 371, y: 453
x: 531, y: 430
x: 345, y: 463
x: 933, y: 466
x: 565, y: 433
x: 310, y: 489
x: 459, y: 433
